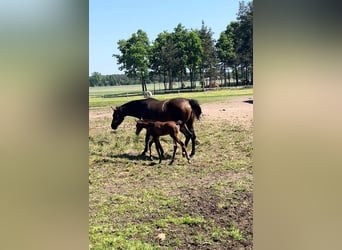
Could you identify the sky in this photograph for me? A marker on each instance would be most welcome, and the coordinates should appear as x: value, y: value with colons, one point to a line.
x: 113, y: 20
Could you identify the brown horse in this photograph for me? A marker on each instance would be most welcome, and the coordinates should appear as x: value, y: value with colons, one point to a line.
x: 185, y: 110
x: 157, y: 129
x: 139, y: 127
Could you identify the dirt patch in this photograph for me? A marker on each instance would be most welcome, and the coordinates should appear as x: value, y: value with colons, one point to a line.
x: 98, y: 113
x: 237, y: 110
x: 237, y: 211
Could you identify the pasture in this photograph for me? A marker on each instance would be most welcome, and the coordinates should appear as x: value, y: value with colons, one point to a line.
x: 135, y: 203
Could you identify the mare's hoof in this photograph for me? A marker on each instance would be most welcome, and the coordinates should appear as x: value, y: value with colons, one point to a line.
x: 197, y: 142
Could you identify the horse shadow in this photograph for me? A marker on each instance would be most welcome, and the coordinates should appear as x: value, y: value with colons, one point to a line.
x: 130, y: 157
x: 133, y: 157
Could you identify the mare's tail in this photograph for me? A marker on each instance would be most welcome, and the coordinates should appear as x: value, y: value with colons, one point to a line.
x: 196, y: 108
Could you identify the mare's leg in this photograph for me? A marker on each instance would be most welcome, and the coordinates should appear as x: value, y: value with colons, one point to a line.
x: 193, y: 142
x: 185, y: 130
x: 187, y: 133
x: 161, y: 149
x: 192, y: 137
x: 149, y: 146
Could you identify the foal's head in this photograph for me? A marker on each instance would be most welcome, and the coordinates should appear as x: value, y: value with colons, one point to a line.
x: 140, y: 125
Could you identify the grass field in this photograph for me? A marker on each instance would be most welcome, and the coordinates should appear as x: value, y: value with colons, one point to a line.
x: 202, y: 97
x: 135, y: 203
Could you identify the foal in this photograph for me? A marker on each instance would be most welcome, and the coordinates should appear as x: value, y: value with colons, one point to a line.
x: 157, y: 129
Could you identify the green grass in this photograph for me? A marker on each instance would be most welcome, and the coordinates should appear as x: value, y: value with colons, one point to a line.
x: 186, y: 220
x: 235, y: 233
x: 202, y: 97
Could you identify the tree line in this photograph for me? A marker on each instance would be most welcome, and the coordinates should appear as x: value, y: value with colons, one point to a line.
x: 187, y: 56
x: 97, y: 79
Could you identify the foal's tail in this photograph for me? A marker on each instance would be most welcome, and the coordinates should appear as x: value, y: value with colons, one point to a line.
x: 196, y: 108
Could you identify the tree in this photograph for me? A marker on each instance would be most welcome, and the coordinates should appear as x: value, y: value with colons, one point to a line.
x: 226, y: 49
x: 245, y: 37
x: 96, y: 79
x: 134, y: 58
x: 235, y: 45
x: 164, y: 58
x: 173, y: 53
x: 179, y: 38
x: 193, y: 50
x: 158, y: 56
x: 208, y: 66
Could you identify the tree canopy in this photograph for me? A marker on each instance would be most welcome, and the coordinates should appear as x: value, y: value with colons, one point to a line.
x: 134, y: 58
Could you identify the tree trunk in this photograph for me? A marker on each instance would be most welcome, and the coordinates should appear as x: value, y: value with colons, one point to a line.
x: 225, y: 75
x: 202, y: 83
x: 164, y: 80
x: 236, y: 76
x: 170, y: 79
x: 181, y: 78
x: 246, y: 74
x: 228, y: 75
x: 193, y: 79
x: 143, y: 86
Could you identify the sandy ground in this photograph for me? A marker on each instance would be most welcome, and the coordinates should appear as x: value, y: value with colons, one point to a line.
x: 237, y: 110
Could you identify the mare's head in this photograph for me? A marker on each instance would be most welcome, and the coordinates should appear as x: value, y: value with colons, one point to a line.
x: 118, y: 117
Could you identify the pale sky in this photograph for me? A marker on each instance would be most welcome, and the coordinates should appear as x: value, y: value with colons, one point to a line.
x: 110, y: 21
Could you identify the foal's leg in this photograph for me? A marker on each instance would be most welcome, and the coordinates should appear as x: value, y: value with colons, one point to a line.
x: 177, y: 140
x: 147, y: 139
x: 160, y: 148
x: 157, y: 142
x: 174, y: 151
x: 183, y: 149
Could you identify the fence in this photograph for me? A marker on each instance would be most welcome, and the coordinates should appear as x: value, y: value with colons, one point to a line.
x: 169, y: 91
